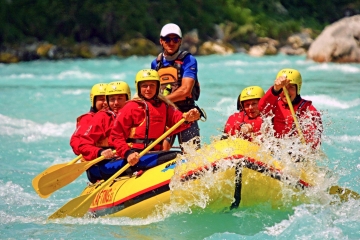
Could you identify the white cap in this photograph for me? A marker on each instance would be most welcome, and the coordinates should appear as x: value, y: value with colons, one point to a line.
x: 170, y: 28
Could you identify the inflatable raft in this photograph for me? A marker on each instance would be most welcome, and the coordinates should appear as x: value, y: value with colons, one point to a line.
x: 230, y: 173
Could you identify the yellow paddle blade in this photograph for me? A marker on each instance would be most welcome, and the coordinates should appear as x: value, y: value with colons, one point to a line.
x: 344, y: 193
x: 78, y: 207
x: 35, y: 181
x: 62, y: 176
x: 53, y: 181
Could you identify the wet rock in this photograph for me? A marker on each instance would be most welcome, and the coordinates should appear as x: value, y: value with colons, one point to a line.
x: 211, y: 47
x: 338, y: 42
x: 289, y: 50
x: 83, y: 50
x: 301, y: 40
x: 136, y: 46
x: 190, y: 41
x: 43, y: 49
x: 101, y: 50
x: 6, y: 57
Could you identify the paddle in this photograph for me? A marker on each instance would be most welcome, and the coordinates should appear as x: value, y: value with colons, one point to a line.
x: 79, y: 206
x: 294, y: 116
x: 343, y: 193
x: 62, y: 176
x: 35, y: 181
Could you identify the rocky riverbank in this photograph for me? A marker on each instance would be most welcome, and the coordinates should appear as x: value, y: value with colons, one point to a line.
x: 339, y: 42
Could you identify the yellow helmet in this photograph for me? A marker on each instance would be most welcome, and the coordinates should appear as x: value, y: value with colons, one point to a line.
x: 119, y: 87
x: 293, y: 75
x: 97, y: 90
x: 248, y: 93
x: 147, y: 75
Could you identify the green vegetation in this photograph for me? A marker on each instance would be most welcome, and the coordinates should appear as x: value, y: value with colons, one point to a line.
x: 110, y: 21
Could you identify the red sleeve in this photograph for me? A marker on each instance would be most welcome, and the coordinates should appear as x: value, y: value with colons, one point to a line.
x: 81, y: 126
x: 125, y: 120
x: 173, y: 117
x: 268, y: 101
x: 96, y: 130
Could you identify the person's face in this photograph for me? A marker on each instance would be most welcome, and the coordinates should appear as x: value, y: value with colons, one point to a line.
x: 170, y: 43
x: 116, y: 102
x: 251, y: 108
x: 292, y: 93
x: 100, y: 102
x: 148, y: 89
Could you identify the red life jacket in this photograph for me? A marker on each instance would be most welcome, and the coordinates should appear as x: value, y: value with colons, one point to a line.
x: 235, y: 121
x: 151, y: 128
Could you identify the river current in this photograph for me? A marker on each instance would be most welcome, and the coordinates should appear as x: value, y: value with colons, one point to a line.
x: 39, y: 104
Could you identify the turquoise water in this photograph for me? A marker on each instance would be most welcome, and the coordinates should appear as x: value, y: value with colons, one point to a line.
x: 39, y: 104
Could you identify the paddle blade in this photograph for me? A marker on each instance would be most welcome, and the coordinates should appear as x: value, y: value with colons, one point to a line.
x: 81, y: 204
x: 344, y: 193
x: 35, y: 181
x: 60, y: 177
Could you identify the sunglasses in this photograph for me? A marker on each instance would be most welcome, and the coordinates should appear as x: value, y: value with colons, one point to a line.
x: 168, y: 39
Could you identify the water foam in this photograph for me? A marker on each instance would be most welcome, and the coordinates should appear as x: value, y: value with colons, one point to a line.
x: 330, y: 102
x: 345, y: 68
x: 75, y: 92
x: 32, y: 131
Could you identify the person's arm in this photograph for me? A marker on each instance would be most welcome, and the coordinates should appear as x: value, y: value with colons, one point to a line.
x: 188, y: 80
x: 174, y: 116
x: 153, y: 64
x: 81, y: 127
x: 127, y: 118
x: 92, y: 135
x: 269, y: 100
x: 183, y: 91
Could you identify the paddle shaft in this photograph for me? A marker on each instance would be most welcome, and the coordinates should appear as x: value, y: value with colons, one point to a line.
x: 294, y: 116
x: 75, y: 160
x: 79, y: 206
x: 343, y: 193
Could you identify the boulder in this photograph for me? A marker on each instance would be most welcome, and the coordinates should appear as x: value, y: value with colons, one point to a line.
x: 338, y: 42
x: 6, y: 57
x: 289, y: 50
x: 190, y: 41
x: 136, y: 46
x: 300, y: 40
x: 211, y: 47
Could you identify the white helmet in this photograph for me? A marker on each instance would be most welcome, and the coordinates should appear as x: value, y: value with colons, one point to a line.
x: 170, y: 28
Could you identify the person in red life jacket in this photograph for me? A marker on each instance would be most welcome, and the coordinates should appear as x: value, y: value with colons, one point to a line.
x: 94, y: 142
x: 180, y: 69
x: 144, y: 119
x: 248, y: 120
x: 98, y: 102
x: 274, y: 103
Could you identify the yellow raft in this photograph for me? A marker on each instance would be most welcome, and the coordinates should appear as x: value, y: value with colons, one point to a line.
x: 227, y: 173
